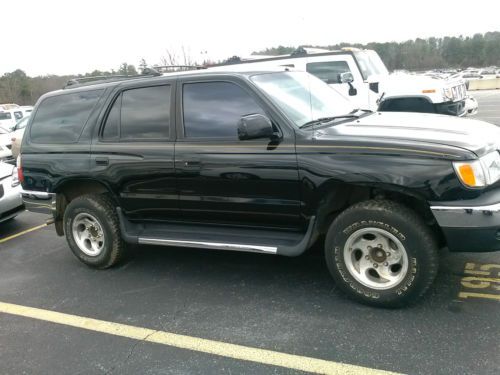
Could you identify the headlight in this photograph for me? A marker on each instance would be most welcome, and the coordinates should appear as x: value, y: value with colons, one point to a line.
x: 478, y: 173
x: 447, y: 93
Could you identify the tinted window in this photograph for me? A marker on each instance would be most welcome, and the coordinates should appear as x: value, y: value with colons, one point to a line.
x: 328, y: 71
x: 112, y: 125
x: 212, y: 109
x: 60, y: 119
x: 18, y: 115
x: 145, y: 113
x: 5, y: 116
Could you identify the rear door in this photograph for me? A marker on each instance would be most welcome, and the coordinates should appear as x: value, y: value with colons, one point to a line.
x: 133, y: 152
x: 222, y: 179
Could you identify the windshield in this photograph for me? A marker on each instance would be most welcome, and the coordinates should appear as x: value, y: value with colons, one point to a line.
x: 370, y: 63
x: 302, y: 96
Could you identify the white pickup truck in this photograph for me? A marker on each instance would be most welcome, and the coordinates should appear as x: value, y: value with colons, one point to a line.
x: 369, y: 84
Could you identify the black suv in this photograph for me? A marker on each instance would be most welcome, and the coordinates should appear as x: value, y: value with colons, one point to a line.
x: 268, y: 162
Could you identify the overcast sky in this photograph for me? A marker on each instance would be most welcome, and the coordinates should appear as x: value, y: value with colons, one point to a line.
x: 77, y: 36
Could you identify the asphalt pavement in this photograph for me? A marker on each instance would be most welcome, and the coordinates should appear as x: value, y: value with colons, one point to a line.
x: 489, y: 105
x: 147, y: 315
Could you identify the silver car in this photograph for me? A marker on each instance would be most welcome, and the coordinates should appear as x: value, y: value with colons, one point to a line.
x: 11, y: 203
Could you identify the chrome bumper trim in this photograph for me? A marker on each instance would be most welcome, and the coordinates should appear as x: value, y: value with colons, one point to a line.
x: 467, y: 217
x: 209, y: 245
x: 39, y: 201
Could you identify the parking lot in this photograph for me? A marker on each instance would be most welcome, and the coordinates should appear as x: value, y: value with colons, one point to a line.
x: 193, y: 311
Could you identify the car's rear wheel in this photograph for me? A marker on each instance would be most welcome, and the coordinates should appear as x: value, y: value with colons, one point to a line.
x: 381, y: 253
x: 92, y: 230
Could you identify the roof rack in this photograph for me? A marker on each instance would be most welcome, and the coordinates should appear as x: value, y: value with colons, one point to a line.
x: 84, y: 81
x: 174, y: 68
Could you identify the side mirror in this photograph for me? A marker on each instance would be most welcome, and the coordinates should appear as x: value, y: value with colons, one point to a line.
x: 346, y: 77
x: 254, y: 126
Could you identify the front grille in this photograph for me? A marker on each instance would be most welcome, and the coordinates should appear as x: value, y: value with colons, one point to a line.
x: 459, y: 92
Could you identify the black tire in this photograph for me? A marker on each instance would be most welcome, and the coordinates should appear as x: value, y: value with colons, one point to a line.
x: 407, y: 227
x: 101, y: 208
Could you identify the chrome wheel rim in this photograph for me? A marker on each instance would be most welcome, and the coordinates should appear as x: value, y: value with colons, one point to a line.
x: 88, y: 234
x: 376, y: 258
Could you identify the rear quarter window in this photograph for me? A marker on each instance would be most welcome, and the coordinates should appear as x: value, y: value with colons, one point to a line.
x: 60, y: 119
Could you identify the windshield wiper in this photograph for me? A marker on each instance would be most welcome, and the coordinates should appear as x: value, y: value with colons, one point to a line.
x: 324, y: 120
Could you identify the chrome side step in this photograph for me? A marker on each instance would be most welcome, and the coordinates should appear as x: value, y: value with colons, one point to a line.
x: 209, y: 245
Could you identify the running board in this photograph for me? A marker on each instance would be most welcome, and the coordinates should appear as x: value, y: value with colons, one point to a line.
x: 209, y: 245
x: 201, y: 236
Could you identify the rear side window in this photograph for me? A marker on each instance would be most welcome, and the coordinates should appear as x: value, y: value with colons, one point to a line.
x: 328, y: 71
x: 60, y: 119
x: 5, y: 116
x: 138, y: 114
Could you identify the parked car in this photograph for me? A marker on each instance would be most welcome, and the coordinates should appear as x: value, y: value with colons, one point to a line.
x: 5, y: 145
x: 11, y: 203
x: 9, y: 118
x: 268, y: 162
x: 17, y: 136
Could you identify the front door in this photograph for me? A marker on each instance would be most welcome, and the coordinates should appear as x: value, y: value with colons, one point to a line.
x: 222, y: 179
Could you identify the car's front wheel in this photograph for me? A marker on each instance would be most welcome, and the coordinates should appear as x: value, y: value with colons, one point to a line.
x: 381, y: 253
x: 92, y: 230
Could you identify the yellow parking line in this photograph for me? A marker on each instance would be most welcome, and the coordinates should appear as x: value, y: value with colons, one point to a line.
x: 465, y: 295
x: 21, y: 233
x: 245, y: 353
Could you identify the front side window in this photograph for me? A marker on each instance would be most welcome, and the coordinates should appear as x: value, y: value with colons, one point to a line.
x: 213, y: 109
x: 138, y: 114
x: 60, y: 119
x: 328, y: 71
x: 18, y: 115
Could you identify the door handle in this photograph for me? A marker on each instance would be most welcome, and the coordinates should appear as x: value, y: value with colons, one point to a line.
x: 192, y: 163
x: 101, y: 161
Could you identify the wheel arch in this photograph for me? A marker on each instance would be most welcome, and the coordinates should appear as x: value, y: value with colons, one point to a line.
x: 70, y: 189
x: 339, y: 197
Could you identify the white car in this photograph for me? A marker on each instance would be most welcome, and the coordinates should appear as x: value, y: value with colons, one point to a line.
x: 11, y: 203
x: 9, y: 117
x: 5, y: 144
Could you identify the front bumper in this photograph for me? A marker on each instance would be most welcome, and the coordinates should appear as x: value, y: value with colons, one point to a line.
x: 451, y: 108
x: 470, y: 228
x: 39, y: 201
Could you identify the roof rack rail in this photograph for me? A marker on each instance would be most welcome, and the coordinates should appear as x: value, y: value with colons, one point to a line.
x: 174, y: 68
x: 83, y: 81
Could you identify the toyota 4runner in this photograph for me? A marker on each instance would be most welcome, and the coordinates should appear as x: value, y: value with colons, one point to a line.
x: 268, y: 162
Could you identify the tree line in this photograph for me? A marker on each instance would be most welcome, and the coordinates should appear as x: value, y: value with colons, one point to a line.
x: 479, y: 50
x: 17, y: 87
